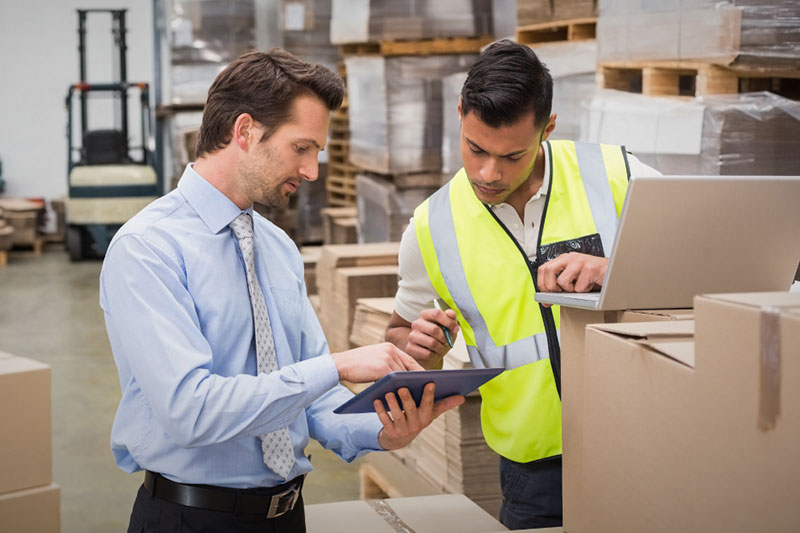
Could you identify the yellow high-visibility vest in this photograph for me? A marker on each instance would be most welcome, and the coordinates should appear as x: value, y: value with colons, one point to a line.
x: 481, y: 272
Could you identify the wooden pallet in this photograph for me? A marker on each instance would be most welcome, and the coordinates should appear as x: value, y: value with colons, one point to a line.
x: 687, y: 78
x: 35, y: 246
x: 560, y: 30
x: 438, y: 45
x: 342, y: 184
x: 337, y: 199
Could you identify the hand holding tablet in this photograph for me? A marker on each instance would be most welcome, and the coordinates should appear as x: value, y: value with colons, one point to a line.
x: 447, y: 382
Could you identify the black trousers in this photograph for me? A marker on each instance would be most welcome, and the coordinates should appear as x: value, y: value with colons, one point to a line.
x: 531, y: 493
x: 153, y: 515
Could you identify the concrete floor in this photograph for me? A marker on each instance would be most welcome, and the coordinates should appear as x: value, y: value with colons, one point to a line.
x: 49, y: 311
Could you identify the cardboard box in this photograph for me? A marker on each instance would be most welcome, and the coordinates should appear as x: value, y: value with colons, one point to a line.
x: 34, y: 510
x: 573, y: 348
x: 421, y: 514
x: 26, y: 442
x: 694, y: 433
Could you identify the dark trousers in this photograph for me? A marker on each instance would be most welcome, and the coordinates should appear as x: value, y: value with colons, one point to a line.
x: 531, y: 493
x: 155, y: 515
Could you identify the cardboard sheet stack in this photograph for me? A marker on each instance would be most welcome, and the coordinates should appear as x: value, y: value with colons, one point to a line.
x: 759, y: 34
x: 339, y: 225
x: 346, y: 273
x: 29, y: 500
x: 370, y: 320
x: 744, y: 134
x: 384, y: 20
x: 384, y: 209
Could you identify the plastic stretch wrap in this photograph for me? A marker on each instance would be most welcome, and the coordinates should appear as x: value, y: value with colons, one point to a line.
x: 306, y: 28
x: 396, y: 111
x: 204, y: 36
x: 756, y: 33
x: 572, y: 66
x: 746, y: 134
x: 364, y: 21
x: 383, y: 209
x: 451, y: 124
x: 540, y: 11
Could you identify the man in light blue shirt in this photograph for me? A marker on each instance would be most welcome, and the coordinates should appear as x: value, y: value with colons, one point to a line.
x: 174, y: 290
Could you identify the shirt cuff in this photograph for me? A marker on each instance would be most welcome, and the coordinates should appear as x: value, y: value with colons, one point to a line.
x: 319, y: 374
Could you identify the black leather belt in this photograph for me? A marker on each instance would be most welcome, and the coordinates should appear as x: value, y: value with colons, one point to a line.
x: 273, y: 501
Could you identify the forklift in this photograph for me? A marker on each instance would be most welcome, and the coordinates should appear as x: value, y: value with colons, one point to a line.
x: 108, y: 180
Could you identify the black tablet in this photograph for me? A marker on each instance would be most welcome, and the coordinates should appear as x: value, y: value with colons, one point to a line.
x: 448, y: 383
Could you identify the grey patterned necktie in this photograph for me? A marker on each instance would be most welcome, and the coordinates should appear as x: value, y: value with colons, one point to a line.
x: 276, y: 446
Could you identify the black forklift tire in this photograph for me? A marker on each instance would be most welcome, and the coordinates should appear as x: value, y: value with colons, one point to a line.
x: 75, y: 243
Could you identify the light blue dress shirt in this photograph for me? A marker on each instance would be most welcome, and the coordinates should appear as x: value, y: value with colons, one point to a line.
x: 174, y: 291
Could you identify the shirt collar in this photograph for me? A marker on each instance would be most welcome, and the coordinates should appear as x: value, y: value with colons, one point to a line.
x: 213, y: 207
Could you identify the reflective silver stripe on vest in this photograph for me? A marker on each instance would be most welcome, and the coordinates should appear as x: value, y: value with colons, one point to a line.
x: 598, y: 192
x: 510, y: 356
x: 445, y: 245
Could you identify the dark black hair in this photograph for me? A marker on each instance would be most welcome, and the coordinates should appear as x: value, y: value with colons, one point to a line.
x: 264, y: 84
x: 506, y: 83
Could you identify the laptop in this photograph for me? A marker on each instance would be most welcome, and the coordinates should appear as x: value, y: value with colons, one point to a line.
x: 680, y: 236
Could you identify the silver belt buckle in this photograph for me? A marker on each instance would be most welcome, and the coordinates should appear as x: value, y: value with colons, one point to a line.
x: 275, y: 501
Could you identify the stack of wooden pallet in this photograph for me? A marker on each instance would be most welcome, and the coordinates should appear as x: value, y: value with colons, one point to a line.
x: 346, y: 273
x: 341, y: 182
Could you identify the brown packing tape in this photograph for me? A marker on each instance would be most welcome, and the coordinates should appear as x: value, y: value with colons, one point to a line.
x: 385, y: 511
x: 769, y: 404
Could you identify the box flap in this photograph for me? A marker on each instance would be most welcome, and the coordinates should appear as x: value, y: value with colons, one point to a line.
x: 680, y: 350
x: 649, y: 330
x: 15, y: 364
x: 674, y: 339
x: 758, y: 299
x: 666, y: 314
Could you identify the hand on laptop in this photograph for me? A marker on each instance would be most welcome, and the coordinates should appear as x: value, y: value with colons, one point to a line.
x: 572, y: 272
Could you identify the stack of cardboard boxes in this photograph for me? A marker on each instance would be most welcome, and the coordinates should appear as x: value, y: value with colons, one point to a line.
x: 29, y: 500
x: 683, y: 425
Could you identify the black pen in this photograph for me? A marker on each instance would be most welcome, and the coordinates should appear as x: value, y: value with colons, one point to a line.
x: 444, y: 329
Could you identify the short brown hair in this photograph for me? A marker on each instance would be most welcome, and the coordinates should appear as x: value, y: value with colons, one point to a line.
x: 263, y: 84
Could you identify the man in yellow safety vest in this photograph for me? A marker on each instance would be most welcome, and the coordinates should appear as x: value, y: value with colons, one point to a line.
x: 524, y: 214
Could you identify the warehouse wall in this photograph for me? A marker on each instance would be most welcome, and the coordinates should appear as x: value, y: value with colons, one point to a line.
x: 38, y: 62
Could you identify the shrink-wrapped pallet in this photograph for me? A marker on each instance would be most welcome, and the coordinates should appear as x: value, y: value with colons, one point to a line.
x: 365, y: 21
x: 761, y: 34
x: 396, y: 110
x: 745, y: 134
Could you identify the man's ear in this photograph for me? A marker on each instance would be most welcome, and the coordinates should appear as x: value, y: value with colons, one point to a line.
x: 551, y: 125
x: 458, y: 109
x: 245, y: 132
